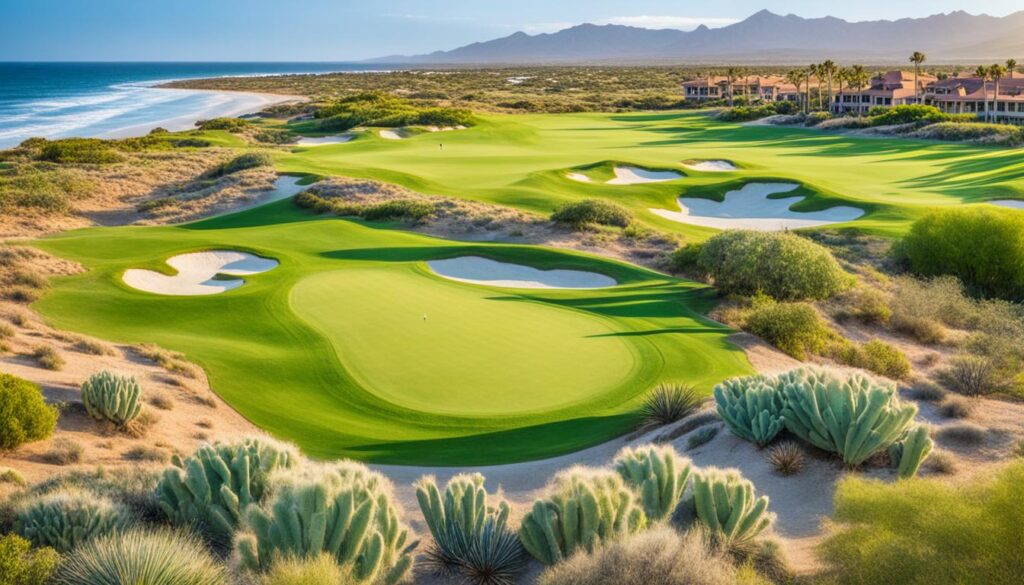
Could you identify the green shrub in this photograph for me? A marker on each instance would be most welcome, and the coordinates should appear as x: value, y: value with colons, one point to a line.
x: 249, y: 160
x: 779, y: 264
x: 210, y: 490
x: 68, y: 518
x: 142, y: 558
x: 51, y: 190
x: 686, y: 260
x: 905, y: 114
x: 471, y: 537
x: 344, y: 509
x: 815, y: 118
x: 386, y: 110
x: 982, y: 246
x: 850, y: 415
x: 973, y: 375
x: 926, y: 531
x: 973, y: 132
x: 24, y: 415
x: 751, y: 407
x: 658, y: 475
x: 112, y: 398
x: 229, y: 124
x: 79, y: 151
x: 886, y: 360
x: 726, y: 504
x: 795, y: 328
x: 582, y: 509
x: 48, y: 357
x: 63, y: 451
x: 19, y: 565
x: 660, y: 556
x: 592, y: 211
x: 8, y: 475
x: 747, y: 113
x: 319, y: 570
x: 392, y: 210
x: 669, y: 403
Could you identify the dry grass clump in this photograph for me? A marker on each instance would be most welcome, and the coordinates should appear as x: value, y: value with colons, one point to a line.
x: 669, y: 403
x: 8, y: 475
x: 864, y: 304
x: 92, y: 346
x: 787, y: 457
x: 149, y: 453
x: 63, y: 452
x: 171, y: 361
x: 927, y: 391
x: 973, y: 375
x: 963, y: 434
x: 940, y: 462
x: 48, y: 357
x: 659, y: 556
x: 320, y: 570
x: 956, y: 407
x: 162, y: 401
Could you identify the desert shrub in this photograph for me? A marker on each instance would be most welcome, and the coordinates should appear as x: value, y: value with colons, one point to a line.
x: 658, y: 474
x: 982, y: 246
x: 659, y: 556
x: 319, y: 570
x: 816, y: 118
x: 150, y: 453
x: 242, y: 162
x: 941, y: 462
x: 781, y: 265
x: 79, y: 151
x: 210, y: 490
x: 747, y: 113
x: 112, y: 398
x: 273, y: 136
x: 24, y: 415
x: 396, y: 209
x: 964, y: 434
x: 142, y: 558
x: 973, y: 375
x: 866, y: 305
x: 787, y: 457
x: 795, y: 328
x: 926, y: 390
x: 851, y: 415
x: 343, y: 509
x: 726, y: 504
x: 956, y: 407
x: 751, y: 407
x: 581, y: 509
x: 668, y: 403
x: 972, y: 132
x: 905, y: 114
x: 8, y: 475
x: 48, y: 357
x: 63, y: 452
x: 93, y: 347
x: 65, y: 519
x: 386, y: 110
x: 592, y: 211
x: 701, y: 436
x: 20, y: 565
x: 891, y: 533
x: 132, y: 488
x: 471, y: 538
x: 686, y: 260
x: 884, y: 359
x: 229, y: 124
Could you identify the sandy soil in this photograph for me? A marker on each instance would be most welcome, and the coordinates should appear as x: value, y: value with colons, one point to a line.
x: 711, y: 166
x: 636, y: 176
x: 197, y: 272
x: 477, y: 270
x: 399, y: 134
x: 750, y: 208
x: 1010, y: 203
x: 322, y: 140
x: 579, y: 177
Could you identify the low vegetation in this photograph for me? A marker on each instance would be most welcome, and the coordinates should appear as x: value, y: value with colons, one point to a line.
x: 411, y: 210
x: 668, y: 403
x: 592, y: 212
x: 386, y: 110
x: 20, y: 564
x: 142, y: 556
x: 65, y: 519
x: 112, y: 398
x: 24, y: 414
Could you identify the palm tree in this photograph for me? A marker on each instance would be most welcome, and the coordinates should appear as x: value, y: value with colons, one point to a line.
x: 982, y: 73
x: 857, y: 77
x: 819, y: 70
x: 808, y: 73
x: 1011, y: 66
x: 842, y: 75
x: 917, y: 59
x: 996, y: 72
x: 828, y: 69
x: 730, y: 73
x: 796, y: 77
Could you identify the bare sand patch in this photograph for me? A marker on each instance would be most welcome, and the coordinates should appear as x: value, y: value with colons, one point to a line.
x: 579, y: 177
x: 197, y: 273
x: 750, y: 208
x: 322, y: 140
x: 478, y: 270
x: 711, y: 166
x: 636, y: 175
x: 1008, y: 203
x: 394, y: 134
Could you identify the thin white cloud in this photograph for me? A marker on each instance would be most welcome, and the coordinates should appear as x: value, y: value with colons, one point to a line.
x: 679, y: 22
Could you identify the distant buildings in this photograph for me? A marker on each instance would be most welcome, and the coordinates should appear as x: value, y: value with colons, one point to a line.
x: 955, y: 95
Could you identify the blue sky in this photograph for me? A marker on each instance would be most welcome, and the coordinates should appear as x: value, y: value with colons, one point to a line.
x: 339, y: 30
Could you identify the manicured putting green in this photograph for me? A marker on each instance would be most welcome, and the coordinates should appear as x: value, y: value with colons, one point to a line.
x: 331, y: 350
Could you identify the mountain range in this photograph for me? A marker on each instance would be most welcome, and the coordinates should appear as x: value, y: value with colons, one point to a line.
x: 763, y: 37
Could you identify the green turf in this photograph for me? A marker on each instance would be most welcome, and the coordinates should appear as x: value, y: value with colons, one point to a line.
x: 330, y: 349
x: 521, y: 161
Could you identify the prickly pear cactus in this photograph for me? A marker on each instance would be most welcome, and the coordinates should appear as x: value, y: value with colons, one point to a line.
x: 112, y: 398
x: 658, y: 474
x: 751, y: 407
x: 463, y: 508
x: 727, y: 505
x: 583, y: 508
x: 68, y: 518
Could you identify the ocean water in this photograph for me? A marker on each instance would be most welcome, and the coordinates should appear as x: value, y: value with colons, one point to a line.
x: 56, y: 100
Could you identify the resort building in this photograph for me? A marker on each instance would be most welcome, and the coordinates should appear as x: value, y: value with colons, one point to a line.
x: 973, y: 95
x: 767, y: 88
x: 893, y: 88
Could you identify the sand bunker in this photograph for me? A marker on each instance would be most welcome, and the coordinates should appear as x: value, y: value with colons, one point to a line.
x: 479, y: 270
x: 750, y: 208
x: 579, y: 177
x: 399, y: 134
x: 197, y: 273
x: 1009, y: 203
x: 322, y: 140
x: 711, y: 166
x: 635, y: 175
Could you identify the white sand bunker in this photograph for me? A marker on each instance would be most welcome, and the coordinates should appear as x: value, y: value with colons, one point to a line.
x: 197, y: 273
x: 1010, y: 203
x: 635, y: 175
x: 750, y: 208
x: 579, y: 177
x: 477, y: 270
x: 398, y: 134
x: 711, y: 166
x: 322, y: 140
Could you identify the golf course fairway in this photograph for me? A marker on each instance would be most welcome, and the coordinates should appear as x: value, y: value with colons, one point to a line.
x: 352, y: 347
